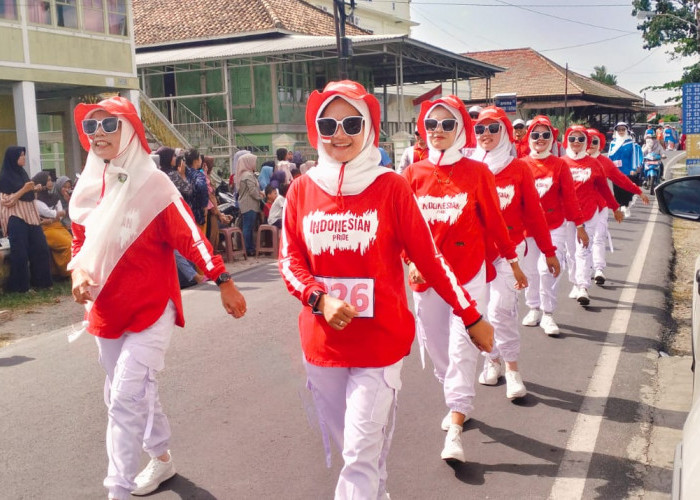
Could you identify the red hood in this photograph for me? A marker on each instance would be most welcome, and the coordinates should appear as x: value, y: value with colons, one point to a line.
x: 454, y: 102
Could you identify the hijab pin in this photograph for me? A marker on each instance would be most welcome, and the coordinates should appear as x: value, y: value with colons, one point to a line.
x: 122, y: 178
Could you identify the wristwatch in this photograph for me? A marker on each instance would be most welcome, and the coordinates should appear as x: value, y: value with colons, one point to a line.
x: 314, y: 299
x: 223, y: 278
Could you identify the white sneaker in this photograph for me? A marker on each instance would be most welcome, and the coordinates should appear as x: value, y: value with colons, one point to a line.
x: 583, y: 297
x: 155, y: 473
x: 549, y: 326
x: 532, y: 318
x: 447, y: 421
x: 599, y: 277
x: 514, y: 385
x: 573, y: 294
x: 493, y: 369
x: 453, y: 450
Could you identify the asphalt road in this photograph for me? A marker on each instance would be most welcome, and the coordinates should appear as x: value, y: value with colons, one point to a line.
x: 243, y: 422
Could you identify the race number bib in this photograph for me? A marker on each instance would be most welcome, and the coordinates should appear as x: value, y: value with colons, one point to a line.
x: 358, y: 292
x: 618, y: 163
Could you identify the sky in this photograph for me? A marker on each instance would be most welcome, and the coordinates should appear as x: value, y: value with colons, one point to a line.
x: 584, y: 34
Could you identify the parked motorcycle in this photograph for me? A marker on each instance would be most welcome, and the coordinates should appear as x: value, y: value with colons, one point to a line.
x: 652, y: 171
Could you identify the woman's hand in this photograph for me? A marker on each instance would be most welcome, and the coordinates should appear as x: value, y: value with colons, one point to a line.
x: 582, y: 236
x: 337, y: 313
x: 81, y: 286
x: 28, y: 186
x: 619, y: 216
x: 481, y: 335
x: 553, y: 265
x: 232, y: 299
x: 414, y: 275
x: 645, y: 198
x: 520, y: 278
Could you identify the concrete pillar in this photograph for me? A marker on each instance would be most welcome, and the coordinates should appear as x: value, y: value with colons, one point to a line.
x: 135, y: 97
x: 26, y: 123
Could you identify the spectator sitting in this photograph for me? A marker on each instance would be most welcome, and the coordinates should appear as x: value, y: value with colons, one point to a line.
x: 64, y: 188
x: 297, y: 158
x: 50, y: 208
x: 386, y: 159
x: 187, y: 274
x: 21, y: 224
x: 278, y: 178
x: 270, y: 195
x: 278, y: 199
x: 295, y: 173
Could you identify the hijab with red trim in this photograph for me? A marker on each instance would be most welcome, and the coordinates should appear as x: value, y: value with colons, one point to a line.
x: 544, y: 121
x: 592, y: 132
x: 499, y: 157
x: 569, y: 152
x: 352, y: 177
x: 464, y: 138
x: 115, y: 200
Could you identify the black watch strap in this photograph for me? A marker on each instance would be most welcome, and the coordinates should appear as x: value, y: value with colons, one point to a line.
x: 223, y: 278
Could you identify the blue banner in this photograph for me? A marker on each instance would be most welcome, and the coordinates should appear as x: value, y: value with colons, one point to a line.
x: 691, y: 108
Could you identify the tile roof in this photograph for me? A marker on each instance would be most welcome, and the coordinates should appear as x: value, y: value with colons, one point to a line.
x: 530, y: 74
x: 162, y: 22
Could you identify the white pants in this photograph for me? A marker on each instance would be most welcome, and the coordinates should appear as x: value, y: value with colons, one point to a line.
x: 354, y: 407
x: 135, y: 418
x: 584, y: 255
x: 541, y: 292
x: 444, y: 337
x: 600, y: 238
x: 503, y: 309
x: 570, y: 243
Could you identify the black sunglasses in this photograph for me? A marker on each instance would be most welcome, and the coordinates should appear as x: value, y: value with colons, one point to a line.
x: 109, y: 125
x: 519, y: 127
x: 543, y: 135
x: 447, y: 125
x: 595, y: 142
x: 493, y: 128
x: 352, y: 125
x: 578, y: 138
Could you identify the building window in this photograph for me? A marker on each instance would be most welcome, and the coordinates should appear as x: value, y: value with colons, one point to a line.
x: 293, y: 83
x: 67, y: 14
x: 116, y: 14
x: 39, y: 11
x: 93, y: 16
x: 8, y: 9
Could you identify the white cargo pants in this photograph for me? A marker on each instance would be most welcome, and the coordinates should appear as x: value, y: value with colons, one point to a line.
x: 135, y: 419
x: 541, y: 292
x: 584, y: 255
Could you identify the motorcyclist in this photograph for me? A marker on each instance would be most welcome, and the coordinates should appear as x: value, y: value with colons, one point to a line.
x: 653, y: 146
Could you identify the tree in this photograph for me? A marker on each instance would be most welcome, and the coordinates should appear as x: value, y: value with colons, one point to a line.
x: 601, y: 75
x: 671, y: 23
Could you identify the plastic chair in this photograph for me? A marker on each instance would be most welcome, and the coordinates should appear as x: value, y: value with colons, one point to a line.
x: 261, y: 244
x: 234, y: 243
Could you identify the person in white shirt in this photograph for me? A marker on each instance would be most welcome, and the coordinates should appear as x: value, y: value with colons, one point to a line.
x: 277, y: 198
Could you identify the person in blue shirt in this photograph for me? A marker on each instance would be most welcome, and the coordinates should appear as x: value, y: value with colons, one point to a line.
x: 386, y: 159
x: 670, y: 138
x: 627, y: 156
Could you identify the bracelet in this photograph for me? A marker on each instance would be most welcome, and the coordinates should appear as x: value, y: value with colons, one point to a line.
x: 512, y: 261
x: 582, y: 226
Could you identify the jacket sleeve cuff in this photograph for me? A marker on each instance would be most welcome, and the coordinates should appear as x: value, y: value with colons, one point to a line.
x: 470, y: 316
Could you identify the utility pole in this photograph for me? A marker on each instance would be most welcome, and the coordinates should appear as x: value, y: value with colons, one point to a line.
x: 343, y: 43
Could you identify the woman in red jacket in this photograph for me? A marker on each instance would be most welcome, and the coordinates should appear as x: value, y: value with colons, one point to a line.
x: 346, y: 224
x: 458, y: 199
x: 520, y: 205
x: 591, y: 185
x: 128, y: 218
x: 620, y: 180
x: 555, y: 188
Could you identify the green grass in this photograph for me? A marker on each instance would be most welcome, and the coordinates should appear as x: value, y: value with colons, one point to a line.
x: 12, y: 301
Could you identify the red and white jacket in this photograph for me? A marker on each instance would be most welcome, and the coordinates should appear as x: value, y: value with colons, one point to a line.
x: 147, y: 271
x: 520, y: 205
x: 460, y: 204
x: 555, y: 187
x: 591, y: 184
x: 617, y: 177
x: 351, y: 246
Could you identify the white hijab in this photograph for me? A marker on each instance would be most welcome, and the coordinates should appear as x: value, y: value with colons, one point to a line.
x: 618, y: 140
x: 576, y: 156
x: 547, y: 152
x: 452, y: 154
x: 355, y: 176
x: 115, y: 201
x: 499, y: 157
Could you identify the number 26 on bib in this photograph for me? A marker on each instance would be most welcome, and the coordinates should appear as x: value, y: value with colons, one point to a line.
x: 358, y: 292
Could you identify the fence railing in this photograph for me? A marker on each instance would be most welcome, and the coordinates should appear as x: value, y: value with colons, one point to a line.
x: 159, y: 125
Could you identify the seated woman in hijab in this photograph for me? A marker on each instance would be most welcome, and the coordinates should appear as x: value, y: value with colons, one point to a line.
x: 51, y: 212
x: 64, y: 188
x: 20, y: 222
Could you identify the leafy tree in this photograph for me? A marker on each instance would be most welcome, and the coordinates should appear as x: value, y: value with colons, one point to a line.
x: 601, y: 75
x: 672, y: 23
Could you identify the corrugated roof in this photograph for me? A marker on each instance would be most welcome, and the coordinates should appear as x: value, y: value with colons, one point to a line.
x: 530, y: 74
x: 163, y: 22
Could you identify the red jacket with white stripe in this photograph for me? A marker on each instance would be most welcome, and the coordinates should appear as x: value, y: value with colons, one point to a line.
x: 145, y: 278
x: 555, y: 187
x: 461, y: 206
x: 521, y: 207
x: 617, y: 177
x: 591, y: 184
x: 351, y: 246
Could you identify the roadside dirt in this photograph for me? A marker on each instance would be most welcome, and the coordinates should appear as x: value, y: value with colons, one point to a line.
x: 25, y: 323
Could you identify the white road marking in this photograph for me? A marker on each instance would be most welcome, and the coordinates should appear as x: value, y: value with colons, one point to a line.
x: 571, y: 476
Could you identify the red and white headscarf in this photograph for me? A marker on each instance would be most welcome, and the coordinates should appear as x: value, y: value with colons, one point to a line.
x: 570, y: 152
x: 499, y: 157
x: 465, y: 132
x: 544, y: 121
